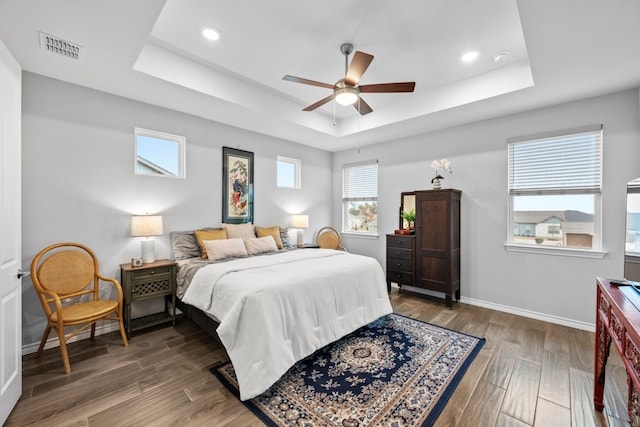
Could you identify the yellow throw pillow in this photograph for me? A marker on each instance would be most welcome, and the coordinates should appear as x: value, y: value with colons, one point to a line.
x: 270, y: 231
x: 202, y: 235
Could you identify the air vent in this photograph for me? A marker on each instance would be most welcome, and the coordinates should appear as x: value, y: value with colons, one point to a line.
x: 59, y: 46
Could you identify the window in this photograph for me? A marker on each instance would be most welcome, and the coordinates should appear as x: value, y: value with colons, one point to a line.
x: 288, y: 173
x: 360, y: 198
x: 554, y: 189
x: 159, y: 154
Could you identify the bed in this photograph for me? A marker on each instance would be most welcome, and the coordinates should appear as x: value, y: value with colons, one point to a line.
x: 276, y: 308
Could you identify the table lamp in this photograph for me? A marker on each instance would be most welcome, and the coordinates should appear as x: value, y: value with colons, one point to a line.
x: 300, y: 222
x: 146, y: 226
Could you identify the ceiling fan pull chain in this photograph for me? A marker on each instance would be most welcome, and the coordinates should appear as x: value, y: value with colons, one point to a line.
x: 334, y: 113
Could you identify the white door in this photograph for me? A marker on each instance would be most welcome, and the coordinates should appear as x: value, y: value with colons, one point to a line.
x: 10, y: 234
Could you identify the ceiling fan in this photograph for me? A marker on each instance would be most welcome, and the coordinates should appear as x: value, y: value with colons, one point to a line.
x: 346, y: 91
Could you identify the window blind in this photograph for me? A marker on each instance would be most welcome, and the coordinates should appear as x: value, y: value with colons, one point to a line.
x: 360, y: 181
x: 570, y: 163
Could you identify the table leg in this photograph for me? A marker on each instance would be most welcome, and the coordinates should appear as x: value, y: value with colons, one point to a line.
x: 603, y: 344
x: 633, y: 409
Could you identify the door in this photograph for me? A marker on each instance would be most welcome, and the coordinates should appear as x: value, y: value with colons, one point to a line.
x: 10, y: 234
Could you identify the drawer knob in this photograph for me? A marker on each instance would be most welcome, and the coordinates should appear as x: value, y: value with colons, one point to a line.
x: 399, y: 265
x: 398, y: 275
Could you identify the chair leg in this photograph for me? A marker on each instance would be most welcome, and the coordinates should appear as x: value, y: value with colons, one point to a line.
x: 63, y: 349
x: 93, y: 330
x: 45, y: 336
x: 123, y: 333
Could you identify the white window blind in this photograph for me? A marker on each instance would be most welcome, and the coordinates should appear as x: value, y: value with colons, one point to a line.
x: 360, y: 181
x: 569, y: 163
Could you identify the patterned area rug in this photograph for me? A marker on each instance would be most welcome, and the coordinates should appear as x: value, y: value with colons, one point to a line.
x: 395, y: 371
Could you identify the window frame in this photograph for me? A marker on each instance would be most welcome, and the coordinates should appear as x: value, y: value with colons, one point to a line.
x: 297, y: 171
x: 346, y: 199
x: 178, y: 139
x: 596, y: 251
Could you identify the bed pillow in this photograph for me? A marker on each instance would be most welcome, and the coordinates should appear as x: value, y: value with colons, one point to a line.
x: 260, y: 245
x: 209, y: 234
x: 227, y: 248
x: 286, y: 239
x: 270, y: 231
x: 184, y: 245
x: 235, y: 231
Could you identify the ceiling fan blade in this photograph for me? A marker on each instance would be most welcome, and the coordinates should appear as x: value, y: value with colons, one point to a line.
x: 319, y: 103
x: 388, y: 87
x: 362, y: 107
x: 306, y: 81
x: 358, y: 66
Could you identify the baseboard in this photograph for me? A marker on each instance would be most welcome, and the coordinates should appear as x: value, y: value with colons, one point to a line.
x: 511, y: 310
x: 531, y: 314
x: 53, y: 340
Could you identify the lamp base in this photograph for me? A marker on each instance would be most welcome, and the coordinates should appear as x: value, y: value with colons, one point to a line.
x: 148, y: 251
x: 300, y: 237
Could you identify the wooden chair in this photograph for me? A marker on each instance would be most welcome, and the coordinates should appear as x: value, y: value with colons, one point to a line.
x: 64, y: 274
x: 329, y: 238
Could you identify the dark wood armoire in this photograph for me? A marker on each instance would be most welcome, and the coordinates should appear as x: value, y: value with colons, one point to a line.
x: 435, y: 246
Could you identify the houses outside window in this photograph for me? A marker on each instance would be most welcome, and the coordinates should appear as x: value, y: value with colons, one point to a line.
x: 360, y: 198
x: 554, y: 190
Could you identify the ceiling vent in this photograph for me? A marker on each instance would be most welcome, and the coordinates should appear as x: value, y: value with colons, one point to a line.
x: 59, y: 46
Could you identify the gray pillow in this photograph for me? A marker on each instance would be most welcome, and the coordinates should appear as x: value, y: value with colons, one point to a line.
x: 284, y: 237
x: 184, y: 245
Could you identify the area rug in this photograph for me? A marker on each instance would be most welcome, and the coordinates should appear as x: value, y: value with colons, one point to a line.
x: 396, y: 371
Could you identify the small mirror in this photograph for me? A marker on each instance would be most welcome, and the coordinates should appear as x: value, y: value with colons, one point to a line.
x: 407, y: 204
x: 159, y: 154
x: 632, y: 239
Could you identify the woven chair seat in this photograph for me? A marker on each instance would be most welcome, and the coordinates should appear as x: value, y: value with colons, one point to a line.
x: 84, y: 310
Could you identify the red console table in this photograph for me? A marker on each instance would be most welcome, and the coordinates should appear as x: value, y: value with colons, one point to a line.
x: 618, y: 321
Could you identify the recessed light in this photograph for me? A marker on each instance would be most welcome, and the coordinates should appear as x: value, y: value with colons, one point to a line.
x: 469, y: 56
x: 500, y: 56
x: 210, y: 34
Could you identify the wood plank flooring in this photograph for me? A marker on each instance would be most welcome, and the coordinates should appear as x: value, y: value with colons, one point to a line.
x: 529, y: 373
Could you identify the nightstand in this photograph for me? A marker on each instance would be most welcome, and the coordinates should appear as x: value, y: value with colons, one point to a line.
x: 148, y: 281
x: 308, y: 246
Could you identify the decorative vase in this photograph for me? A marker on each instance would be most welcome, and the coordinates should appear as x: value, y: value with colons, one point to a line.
x: 437, y: 183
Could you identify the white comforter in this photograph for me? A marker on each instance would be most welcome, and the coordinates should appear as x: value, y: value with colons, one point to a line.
x: 276, y: 310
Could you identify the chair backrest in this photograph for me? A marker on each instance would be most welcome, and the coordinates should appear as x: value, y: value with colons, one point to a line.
x: 64, y: 268
x: 329, y: 238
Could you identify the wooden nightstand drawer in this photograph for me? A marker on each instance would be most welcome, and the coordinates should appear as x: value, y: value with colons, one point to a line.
x: 406, y: 254
x: 399, y: 242
x: 399, y: 264
x: 401, y: 277
x: 144, y: 274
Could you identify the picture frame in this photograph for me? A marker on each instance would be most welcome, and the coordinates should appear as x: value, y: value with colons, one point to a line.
x: 237, y: 186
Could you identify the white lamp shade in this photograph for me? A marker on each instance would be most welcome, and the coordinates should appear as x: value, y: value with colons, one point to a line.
x: 300, y: 221
x: 146, y: 225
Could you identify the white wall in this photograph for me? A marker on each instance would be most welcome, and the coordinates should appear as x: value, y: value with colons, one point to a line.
x: 552, y: 287
x: 79, y: 183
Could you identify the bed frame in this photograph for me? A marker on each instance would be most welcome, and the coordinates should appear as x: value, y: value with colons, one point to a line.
x: 199, y: 317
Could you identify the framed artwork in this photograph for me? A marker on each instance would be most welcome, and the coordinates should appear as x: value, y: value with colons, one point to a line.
x: 237, y: 186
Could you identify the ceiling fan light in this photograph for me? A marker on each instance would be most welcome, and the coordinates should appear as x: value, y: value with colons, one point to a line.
x: 346, y: 96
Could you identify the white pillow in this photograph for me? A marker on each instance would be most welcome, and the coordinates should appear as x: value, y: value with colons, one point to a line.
x: 239, y: 230
x: 260, y: 245
x: 225, y: 248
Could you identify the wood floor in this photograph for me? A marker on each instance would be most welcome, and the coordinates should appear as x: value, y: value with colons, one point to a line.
x: 529, y: 373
